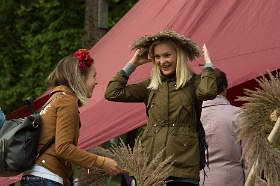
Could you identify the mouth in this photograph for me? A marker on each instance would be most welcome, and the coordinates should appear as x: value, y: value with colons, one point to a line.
x: 165, y: 67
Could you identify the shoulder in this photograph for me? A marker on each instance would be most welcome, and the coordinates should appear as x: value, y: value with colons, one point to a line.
x: 146, y: 82
x: 196, y: 78
x: 236, y: 109
x: 64, y: 97
x: 67, y: 99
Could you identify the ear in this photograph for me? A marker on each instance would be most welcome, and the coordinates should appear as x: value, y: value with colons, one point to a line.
x: 84, y: 78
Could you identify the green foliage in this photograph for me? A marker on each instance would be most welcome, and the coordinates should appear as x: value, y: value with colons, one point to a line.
x: 117, y: 9
x: 34, y: 36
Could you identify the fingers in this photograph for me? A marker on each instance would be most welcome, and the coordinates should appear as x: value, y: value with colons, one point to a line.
x: 204, y: 47
x: 111, y: 167
x: 206, y: 54
x: 139, y: 58
x: 115, y: 171
x: 119, y: 170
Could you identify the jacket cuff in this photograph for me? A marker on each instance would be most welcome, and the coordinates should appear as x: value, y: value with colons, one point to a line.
x: 129, y: 68
x: 123, y: 74
x: 208, y: 69
x: 209, y: 65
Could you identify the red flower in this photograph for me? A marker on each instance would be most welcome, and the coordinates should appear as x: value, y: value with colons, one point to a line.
x: 84, y: 58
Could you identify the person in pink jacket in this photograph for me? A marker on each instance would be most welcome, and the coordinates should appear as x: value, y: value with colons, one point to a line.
x: 219, y: 120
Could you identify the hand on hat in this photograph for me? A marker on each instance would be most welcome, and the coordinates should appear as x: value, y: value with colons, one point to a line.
x: 139, y: 59
x: 206, y: 55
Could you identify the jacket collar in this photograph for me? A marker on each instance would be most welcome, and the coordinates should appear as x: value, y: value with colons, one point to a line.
x: 168, y: 78
x: 63, y: 88
x: 219, y: 100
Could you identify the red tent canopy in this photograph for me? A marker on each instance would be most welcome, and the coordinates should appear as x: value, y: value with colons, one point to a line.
x: 242, y: 36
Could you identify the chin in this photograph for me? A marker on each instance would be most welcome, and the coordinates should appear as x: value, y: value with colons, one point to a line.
x: 167, y: 73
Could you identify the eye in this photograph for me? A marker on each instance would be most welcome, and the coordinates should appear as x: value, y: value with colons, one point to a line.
x: 156, y: 56
x: 167, y: 55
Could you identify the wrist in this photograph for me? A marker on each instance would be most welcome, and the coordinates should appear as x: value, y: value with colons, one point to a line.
x: 103, y: 161
x: 100, y: 161
x: 209, y: 65
x: 133, y: 63
x: 129, y: 68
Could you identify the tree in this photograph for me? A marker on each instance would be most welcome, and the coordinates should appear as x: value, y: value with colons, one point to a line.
x: 35, y: 35
x: 93, y: 31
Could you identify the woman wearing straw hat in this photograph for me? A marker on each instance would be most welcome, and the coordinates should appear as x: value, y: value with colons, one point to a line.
x: 171, y: 124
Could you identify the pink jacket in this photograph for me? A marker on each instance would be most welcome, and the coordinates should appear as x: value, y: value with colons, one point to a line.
x: 219, y: 120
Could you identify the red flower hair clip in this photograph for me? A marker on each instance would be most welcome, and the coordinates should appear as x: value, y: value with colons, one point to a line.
x: 85, y: 61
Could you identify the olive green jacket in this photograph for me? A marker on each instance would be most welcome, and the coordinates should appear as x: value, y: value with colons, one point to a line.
x: 171, y: 123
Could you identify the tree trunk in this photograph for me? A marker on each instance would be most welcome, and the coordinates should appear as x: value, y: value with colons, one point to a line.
x: 96, y: 22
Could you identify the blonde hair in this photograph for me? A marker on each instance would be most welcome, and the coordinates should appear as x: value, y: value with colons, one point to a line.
x: 183, y: 71
x: 67, y: 73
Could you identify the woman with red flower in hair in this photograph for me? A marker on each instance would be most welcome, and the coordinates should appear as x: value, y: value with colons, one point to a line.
x: 73, y: 81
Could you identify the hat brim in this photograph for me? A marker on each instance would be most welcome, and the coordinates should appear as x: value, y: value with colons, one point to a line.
x: 191, y: 48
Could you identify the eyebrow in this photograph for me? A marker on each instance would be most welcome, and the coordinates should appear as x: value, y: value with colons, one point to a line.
x: 163, y: 53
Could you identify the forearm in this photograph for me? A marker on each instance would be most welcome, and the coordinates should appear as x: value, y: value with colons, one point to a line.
x: 129, y: 68
x: 118, y: 90
x: 207, y: 88
x: 115, y: 87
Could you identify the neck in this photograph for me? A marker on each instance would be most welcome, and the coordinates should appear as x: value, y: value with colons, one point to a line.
x: 224, y: 93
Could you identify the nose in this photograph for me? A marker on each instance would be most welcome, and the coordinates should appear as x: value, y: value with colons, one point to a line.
x: 161, y: 60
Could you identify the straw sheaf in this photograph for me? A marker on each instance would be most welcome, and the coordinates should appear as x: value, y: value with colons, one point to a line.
x: 191, y: 48
x: 253, y: 117
x: 132, y: 160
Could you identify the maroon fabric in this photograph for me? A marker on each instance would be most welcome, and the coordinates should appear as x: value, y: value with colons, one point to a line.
x: 24, y: 111
x: 242, y: 36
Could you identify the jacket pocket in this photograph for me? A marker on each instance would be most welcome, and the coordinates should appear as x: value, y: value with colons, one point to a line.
x: 185, y: 148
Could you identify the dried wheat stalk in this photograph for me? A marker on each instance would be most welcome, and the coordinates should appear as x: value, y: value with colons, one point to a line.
x: 96, y: 176
x: 253, y: 116
x: 134, y: 161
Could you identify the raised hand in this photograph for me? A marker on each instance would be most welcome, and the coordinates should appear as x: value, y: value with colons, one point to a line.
x: 206, y: 55
x: 138, y: 59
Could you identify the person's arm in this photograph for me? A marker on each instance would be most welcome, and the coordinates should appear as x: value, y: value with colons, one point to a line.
x: 118, y: 90
x: 207, y: 88
x: 67, y: 119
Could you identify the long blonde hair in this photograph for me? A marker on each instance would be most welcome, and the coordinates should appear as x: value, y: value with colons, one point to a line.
x: 67, y: 73
x: 183, y: 71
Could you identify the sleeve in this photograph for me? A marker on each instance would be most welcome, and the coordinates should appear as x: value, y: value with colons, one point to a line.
x: 118, y: 90
x: 207, y: 87
x: 67, y: 133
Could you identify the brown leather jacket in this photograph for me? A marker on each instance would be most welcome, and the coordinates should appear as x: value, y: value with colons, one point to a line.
x: 61, y: 118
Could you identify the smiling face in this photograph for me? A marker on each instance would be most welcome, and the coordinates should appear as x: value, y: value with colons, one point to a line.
x: 90, y: 80
x: 165, y: 57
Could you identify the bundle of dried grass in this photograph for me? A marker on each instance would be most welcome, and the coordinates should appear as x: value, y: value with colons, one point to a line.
x: 96, y: 176
x: 134, y: 161
x: 253, y: 117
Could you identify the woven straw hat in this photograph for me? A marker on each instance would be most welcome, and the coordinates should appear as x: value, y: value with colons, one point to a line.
x: 191, y: 48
